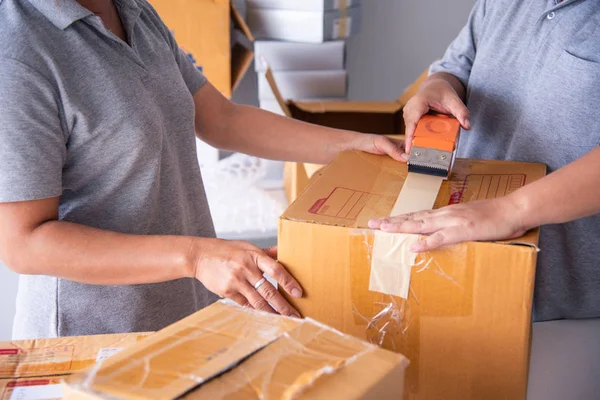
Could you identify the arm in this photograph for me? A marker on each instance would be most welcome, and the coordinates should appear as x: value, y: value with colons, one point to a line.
x: 549, y: 200
x: 33, y: 241
x: 250, y: 130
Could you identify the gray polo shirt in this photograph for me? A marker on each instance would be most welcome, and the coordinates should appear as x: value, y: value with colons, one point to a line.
x: 109, y: 128
x: 532, y: 72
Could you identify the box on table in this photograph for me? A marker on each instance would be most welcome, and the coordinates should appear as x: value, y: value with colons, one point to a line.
x: 304, y: 5
x: 304, y: 26
x: 203, y: 29
x: 289, y: 56
x: 34, y: 369
x: 229, y: 352
x: 466, y: 324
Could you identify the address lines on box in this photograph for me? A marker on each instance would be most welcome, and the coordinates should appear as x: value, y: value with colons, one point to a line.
x: 344, y: 203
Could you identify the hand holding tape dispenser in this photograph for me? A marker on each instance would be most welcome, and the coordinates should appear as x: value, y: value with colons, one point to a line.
x: 434, y: 145
x: 430, y: 163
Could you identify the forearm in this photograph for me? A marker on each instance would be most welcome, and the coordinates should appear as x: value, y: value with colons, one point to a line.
x: 444, y: 77
x: 567, y: 194
x: 263, y: 134
x: 94, y: 256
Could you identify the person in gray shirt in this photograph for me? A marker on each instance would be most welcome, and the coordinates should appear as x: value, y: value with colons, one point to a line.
x: 102, y: 207
x: 529, y: 73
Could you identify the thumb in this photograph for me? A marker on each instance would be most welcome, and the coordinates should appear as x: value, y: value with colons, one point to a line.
x: 412, y: 114
x: 460, y: 111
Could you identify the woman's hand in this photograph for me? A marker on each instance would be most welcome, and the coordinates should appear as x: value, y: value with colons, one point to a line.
x: 235, y: 270
x: 494, y: 219
x: 380, y: 145
x: 438, y: 93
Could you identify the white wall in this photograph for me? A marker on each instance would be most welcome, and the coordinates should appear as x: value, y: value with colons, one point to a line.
x: 8, y: 291
x: 399, y: 39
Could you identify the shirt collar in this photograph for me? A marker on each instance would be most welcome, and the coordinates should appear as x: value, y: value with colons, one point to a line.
x: 61, y: 13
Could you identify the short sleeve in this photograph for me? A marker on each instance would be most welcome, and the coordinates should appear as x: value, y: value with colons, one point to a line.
x: 460, y: 55
x: 32, y: 142
x: 193, y: 78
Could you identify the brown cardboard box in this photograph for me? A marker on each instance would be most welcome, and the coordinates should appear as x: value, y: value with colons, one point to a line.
x: 466, y: 324
x: 229, y: 352
x: 202, y: 29
x: 384, y: 118
x: 34, y: 369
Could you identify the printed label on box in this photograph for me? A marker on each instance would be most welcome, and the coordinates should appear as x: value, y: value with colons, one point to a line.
x: 344, y: 203
x: 45, y: 360
x: 106, y: 352
x: 40, y: 389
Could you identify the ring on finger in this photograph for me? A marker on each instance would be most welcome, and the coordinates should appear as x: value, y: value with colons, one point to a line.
x: 259, y: 283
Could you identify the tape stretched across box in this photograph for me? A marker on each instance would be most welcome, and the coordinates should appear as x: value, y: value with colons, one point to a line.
x: 467, y: 321
x: 203, y: 30
x: 34, y: 369
x: 228, y: 352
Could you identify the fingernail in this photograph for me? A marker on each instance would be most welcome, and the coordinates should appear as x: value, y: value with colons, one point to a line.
x: 414, y: 248
x: 296, y: 315
x: 467, y: 122
x: 404, y: 157
x: 297, y: 293
x: 373, y: 223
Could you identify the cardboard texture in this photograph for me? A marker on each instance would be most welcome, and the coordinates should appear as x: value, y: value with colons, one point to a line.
x: 467, y: 322
x: 304, y: 26
x: 229, y: 352
x: 203, y: 29
x: 288, y: 56
x: 304, y: 5
x: 34, y: 369
x: 367, y: 117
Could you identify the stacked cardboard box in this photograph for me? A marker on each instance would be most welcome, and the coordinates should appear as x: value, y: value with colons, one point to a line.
x: 310, y: 21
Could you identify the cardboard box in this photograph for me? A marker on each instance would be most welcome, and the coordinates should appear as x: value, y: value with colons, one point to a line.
x: 204, y: 30
x: 304, y: 84
x: 274, y: 106
x: 34, y: 369
x: 304, y: 26
x: 368, y: 117
x: 228, y: 352
x: 467, y: 322
x: 287, y: 56
x: 304, y: 5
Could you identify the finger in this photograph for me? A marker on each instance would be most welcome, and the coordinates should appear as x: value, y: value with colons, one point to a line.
x: 444, y: 237
x: 277, y: 301
x: 276, y: 271
x: 377, y: 223
x: 412, y: 114
x: 417, y: 226
x: 240, y: 300
x: 267, y: 298
x: 271, y: 252
x: 386, y: 146
x: 460, y: 111
x: 255, y: 300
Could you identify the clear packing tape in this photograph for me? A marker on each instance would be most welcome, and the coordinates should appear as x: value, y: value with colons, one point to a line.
x: 228, y: 352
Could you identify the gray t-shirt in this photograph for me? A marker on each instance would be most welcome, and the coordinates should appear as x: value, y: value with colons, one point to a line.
x: 532, y: 72
x: 109, y: 128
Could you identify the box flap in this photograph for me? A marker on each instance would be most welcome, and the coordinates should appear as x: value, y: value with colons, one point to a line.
x: 241, y: 56
x: 226, y: 351
x: 348, y: 106
x: 356, y: 187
